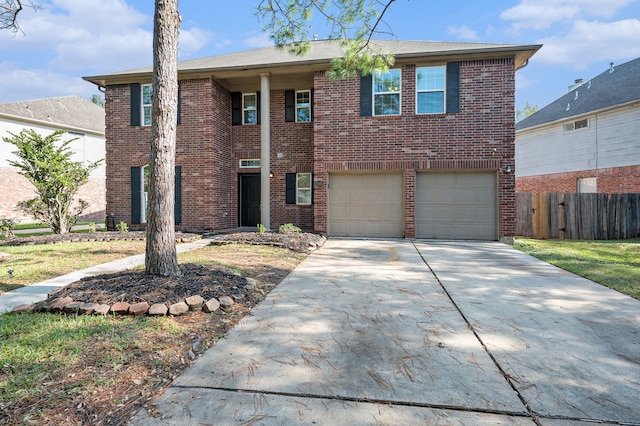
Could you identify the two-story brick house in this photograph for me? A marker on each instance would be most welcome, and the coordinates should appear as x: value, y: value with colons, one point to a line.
x: 424, y: 150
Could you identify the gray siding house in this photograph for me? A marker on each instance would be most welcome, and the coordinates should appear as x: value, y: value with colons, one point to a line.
x: 587, y: 140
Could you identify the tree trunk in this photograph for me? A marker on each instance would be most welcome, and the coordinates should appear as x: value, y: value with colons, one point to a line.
x: 161, y: 257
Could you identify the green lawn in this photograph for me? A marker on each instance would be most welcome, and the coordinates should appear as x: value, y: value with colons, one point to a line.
x: 34, y: 263
x: 612, y: 263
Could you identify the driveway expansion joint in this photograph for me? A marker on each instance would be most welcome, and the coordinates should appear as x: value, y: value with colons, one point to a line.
x: 504, y: 374
x: 358, y: 400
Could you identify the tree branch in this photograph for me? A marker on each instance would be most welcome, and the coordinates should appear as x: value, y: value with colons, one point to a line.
x: 9, y: 10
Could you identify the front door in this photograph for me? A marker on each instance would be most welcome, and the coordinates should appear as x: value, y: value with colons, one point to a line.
x: 249, y: 200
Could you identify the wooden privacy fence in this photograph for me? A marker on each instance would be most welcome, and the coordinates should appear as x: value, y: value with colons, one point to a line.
x: 549, y: 215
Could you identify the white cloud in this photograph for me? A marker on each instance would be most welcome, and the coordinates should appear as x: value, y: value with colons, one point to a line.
x: 94, y: 35
x: 589, y: 42
x: 224, y: 43
x: 522, y: 82
x: 192, y: 41
x: 257, y: 41
x: 463, y: 33
x: 20, y: 84
x: 542, y: 14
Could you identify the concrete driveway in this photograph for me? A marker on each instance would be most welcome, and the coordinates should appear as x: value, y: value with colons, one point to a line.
x: 399, y: 332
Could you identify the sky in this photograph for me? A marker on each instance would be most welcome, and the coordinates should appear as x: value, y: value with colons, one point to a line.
x: 67, y: 39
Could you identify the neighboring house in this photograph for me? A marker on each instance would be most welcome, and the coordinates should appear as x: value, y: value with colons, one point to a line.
x: 81, y: 119
x: 423, y: 150
x: 586, y: 141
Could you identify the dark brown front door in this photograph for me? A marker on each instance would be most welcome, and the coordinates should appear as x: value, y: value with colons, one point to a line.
x: 249, y: 200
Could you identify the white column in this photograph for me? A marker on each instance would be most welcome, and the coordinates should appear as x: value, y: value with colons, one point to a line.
x: 265, y: 150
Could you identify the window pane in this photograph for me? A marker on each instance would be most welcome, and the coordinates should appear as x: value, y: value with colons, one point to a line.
x: 147, y: 92
x: 386, y: 104
x: 147, y: 116
x: 303, y: 98
x: 250, y: 116
x: 304, y: 114
x: 431, y: 78
x: 304, y: 196
x: 249, y: 101
x: 386, y: 82
x: 430, y: 102
x: 304, y: 180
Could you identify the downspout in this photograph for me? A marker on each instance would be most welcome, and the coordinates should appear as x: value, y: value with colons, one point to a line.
x: 265, y: 151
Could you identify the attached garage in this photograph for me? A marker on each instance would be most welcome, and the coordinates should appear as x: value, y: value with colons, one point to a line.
x: 366, y: 205
x: 456, y: 205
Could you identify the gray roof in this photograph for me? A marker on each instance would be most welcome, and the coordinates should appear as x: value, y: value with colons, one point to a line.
x: 323, y: 51
x: 62, y: 112
x: 604, y: 91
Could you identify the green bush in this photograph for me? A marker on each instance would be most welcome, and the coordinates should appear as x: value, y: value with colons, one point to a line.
x: 288, y: 227
x: 261, y: 228
x: 122, y: 227
x: 7, y: 226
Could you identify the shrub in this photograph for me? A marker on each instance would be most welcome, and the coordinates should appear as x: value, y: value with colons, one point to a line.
x: 92, y: 227
x: 122, y: 227
x: 7, y: 225
x: 261, y: 228
x: 288, y: 227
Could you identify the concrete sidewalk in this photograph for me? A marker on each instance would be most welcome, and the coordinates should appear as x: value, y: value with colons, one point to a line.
x: 392, y: 332
x: 39, y: 291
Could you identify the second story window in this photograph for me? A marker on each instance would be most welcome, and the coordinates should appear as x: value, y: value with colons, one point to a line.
x: 386, y: 93
x: 147, y: 95
x: 430, y: 88
x: 249, y: 108
x: 303, y: 106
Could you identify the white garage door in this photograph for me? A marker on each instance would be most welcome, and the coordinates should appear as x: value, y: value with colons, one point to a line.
x: 456, y: 205
x: 366, y: 205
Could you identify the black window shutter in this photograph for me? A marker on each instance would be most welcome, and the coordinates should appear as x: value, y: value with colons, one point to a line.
x: 136, y: 99
x: 291, y: 188
x: 236, y: 108
x: 177, y: 209
x: 313, y: 110
x: 453, y: 87
x: 258, y: 107
x: 136, y: 196
x: 179, y: 102
x: 290, y: 106
x: 366, y: 95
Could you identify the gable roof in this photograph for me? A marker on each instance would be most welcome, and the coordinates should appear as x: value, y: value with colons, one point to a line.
x: 604, y: 91
x: 270, y: 58
x: 66, y: 112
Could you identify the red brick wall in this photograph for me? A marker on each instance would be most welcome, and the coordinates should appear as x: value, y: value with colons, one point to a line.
x: 295, y: 142
x: 208, y: 149
x: 615, y: 180
x: 480, y: 137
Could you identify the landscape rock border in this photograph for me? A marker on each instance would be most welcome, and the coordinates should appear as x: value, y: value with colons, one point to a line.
x: 66, y: 305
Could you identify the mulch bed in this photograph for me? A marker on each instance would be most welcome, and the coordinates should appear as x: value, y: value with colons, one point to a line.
x: 207, y: 281
x: 133, y: 287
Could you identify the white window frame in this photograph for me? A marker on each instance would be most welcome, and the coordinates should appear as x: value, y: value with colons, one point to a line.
x: 249, y: 163
x: 443, y: 90
x: 144, y: 192
x: 246, y: 109
x: 145, y: 106
x: 299, y: 189
x: 300, y: 106
x: 576, y: 125
x: 587, y: 185
x: 395, y: 91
